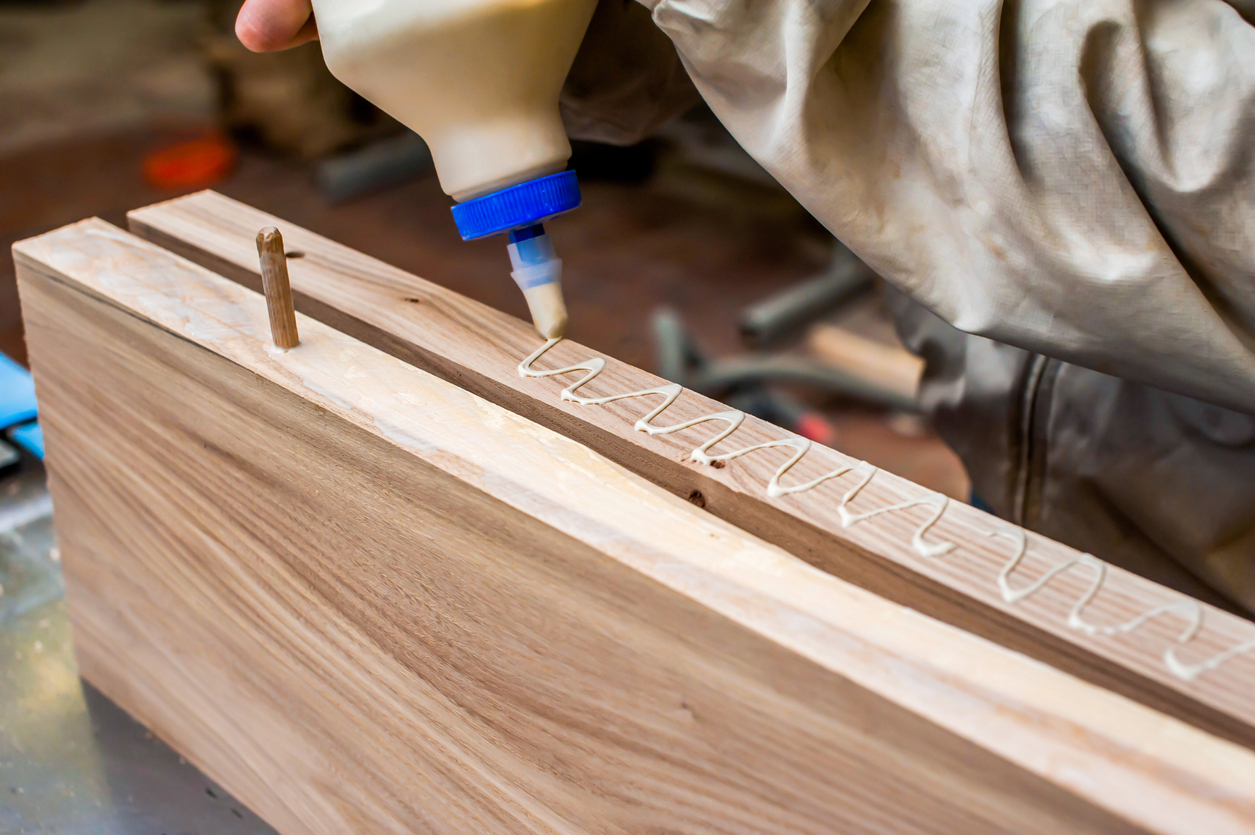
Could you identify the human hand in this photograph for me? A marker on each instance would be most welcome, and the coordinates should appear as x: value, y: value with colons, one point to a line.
x: 271, y: 25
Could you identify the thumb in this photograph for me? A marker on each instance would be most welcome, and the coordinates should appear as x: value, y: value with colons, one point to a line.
x: 270, y: 25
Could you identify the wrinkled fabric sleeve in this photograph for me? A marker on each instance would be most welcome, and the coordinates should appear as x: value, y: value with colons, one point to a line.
x: 1073, y: 178
x: 627, y: 80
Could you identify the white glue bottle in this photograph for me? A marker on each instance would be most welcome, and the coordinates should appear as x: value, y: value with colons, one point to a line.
x: 479, y: 80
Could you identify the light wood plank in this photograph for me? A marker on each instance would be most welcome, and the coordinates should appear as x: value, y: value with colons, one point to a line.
x: 365, y: 600
x: 1073, y: 622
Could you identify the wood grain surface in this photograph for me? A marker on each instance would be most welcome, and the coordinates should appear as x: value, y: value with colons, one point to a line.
x: 479, y: 348
x: 365, y: 600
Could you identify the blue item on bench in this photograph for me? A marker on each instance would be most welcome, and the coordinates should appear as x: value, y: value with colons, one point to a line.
x: 17, y: 394
x: 31, y: 438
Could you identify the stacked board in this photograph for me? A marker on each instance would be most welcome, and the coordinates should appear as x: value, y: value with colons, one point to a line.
x: 413, y: 576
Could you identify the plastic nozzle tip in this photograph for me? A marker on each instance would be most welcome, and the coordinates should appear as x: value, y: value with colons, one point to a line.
x: 548, y: 309
x: 538, y: 272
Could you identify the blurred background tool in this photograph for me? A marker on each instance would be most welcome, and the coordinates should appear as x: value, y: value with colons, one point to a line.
x: 9, y: 457
x: 760, y: 384
x: 381, y: 165
x: 840, y: 364
x: 783, y: 313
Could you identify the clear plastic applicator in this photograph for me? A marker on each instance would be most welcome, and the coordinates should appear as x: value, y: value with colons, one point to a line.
x: 538, y: 272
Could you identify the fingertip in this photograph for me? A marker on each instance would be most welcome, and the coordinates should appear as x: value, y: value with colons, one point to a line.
x: 250, y: 34
x: 272, y: 25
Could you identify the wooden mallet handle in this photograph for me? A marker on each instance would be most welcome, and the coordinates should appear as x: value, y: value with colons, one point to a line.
x: 278, y: 290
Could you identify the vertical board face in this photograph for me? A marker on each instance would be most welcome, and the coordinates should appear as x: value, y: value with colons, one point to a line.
x: 944, y: 558
x: 366, y: 601
x: 354, y: 642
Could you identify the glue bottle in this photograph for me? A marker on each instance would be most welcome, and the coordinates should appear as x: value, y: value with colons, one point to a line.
x: 479, y: 80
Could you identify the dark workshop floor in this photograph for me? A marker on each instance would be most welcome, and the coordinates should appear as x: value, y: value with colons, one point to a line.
x: 700, y: 242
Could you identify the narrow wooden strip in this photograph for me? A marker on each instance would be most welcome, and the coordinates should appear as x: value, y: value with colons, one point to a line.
x: 1086, y: 617
x: 366, y: 600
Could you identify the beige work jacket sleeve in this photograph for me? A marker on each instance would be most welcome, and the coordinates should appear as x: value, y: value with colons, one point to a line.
x: 1073, y: 177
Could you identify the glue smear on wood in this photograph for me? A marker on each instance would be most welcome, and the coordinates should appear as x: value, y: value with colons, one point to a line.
x: 1184, y: 608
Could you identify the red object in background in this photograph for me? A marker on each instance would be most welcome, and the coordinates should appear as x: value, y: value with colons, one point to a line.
x: 817, y: 428
x: 196, y: 164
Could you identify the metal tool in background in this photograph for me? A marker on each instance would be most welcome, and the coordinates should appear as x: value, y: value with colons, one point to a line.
x: 745, y: 381
x: 748, y: 381
x: 680, y: 361
x: 376, y: 167
x: 9, y: 457
x: 785, y: 313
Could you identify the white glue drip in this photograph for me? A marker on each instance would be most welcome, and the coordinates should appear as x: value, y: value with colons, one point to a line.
x: 936, y: 501
x: 670, y: 392
x: 1185, y: 608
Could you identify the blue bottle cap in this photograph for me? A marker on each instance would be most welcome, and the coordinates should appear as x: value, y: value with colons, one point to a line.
x: 526, y: 204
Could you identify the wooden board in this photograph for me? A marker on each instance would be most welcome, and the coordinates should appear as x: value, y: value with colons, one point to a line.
x: 1027, y: 592
x: 365, y: 600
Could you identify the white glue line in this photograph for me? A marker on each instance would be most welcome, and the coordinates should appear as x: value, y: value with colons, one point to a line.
x: 1184, y: 607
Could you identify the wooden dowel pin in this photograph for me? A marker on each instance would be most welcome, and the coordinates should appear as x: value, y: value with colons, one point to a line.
x: 278, y: 290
